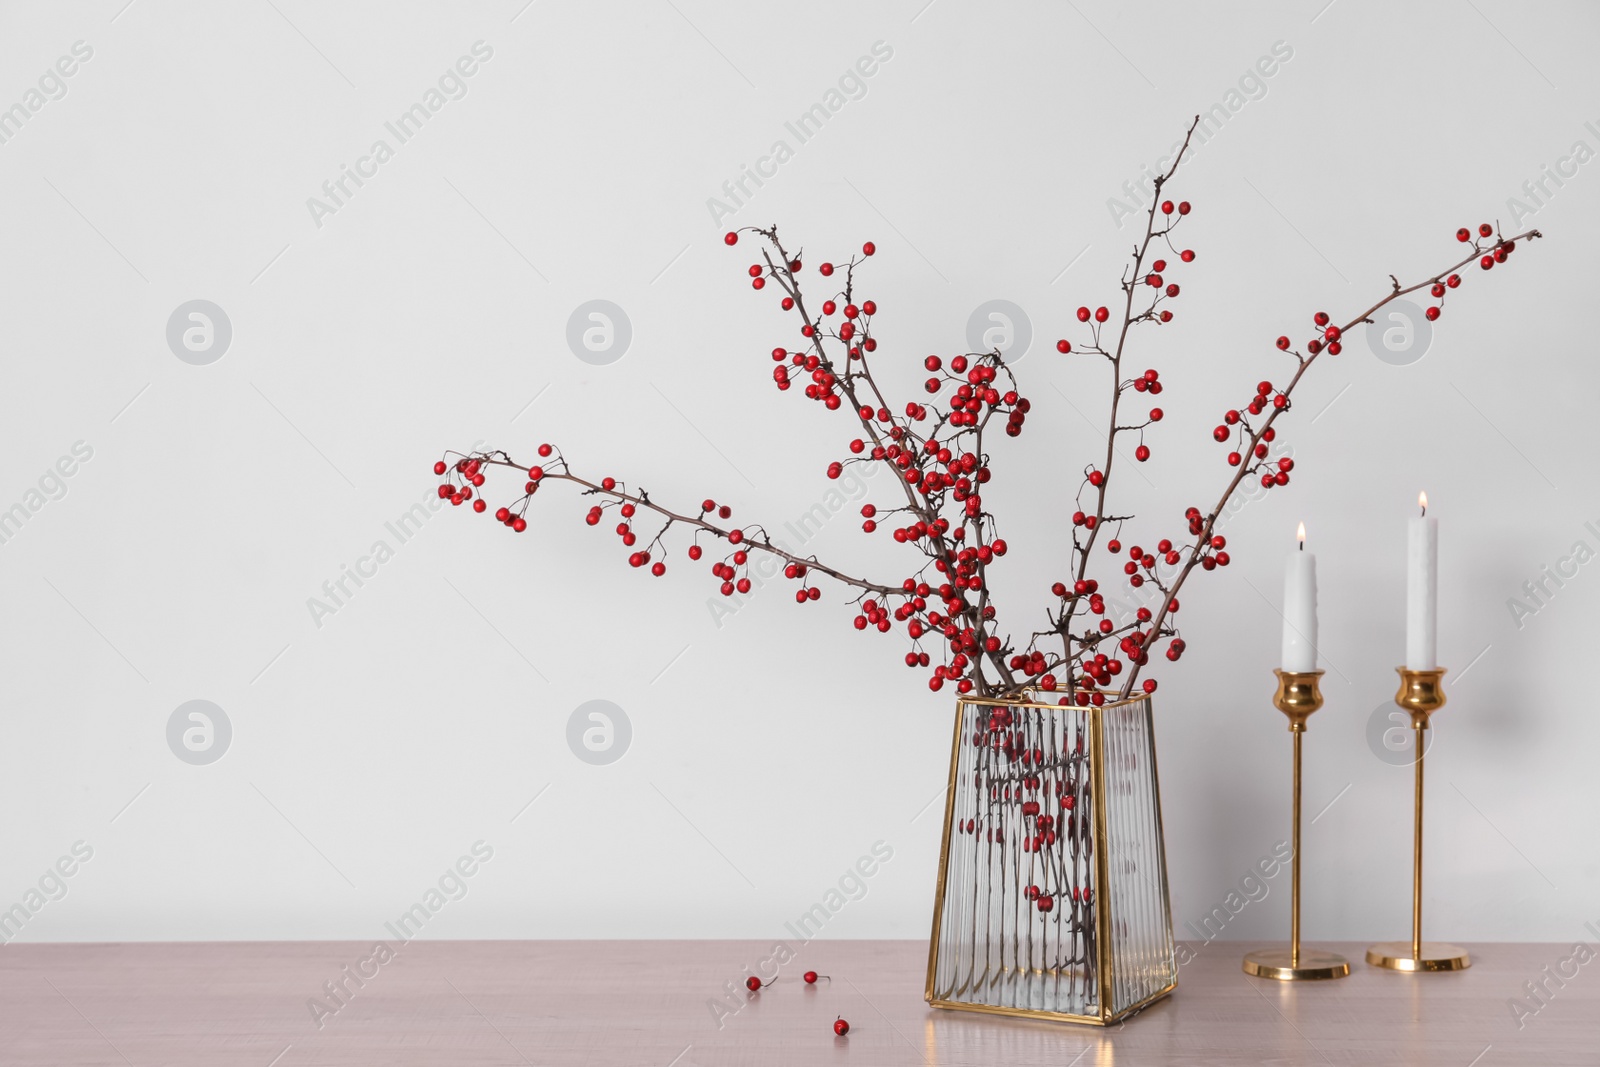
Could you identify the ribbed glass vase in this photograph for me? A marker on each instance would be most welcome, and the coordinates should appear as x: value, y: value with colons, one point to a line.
x: 1052, y: 896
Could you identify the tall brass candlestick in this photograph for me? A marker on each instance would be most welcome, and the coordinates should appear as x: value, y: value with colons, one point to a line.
x: 1421, y: 694
x: 1297, y: 697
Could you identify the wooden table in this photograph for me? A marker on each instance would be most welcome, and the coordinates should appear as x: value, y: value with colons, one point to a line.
x: 648, y: 1003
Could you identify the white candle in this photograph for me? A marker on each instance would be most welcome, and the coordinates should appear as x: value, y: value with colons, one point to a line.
x: 1422, y: 590
x: 1300, y: 609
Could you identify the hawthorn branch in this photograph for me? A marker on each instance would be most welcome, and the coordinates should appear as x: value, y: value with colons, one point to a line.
x: 642, y: 499
x: 1197, y: 553
x: 1086, y: 550
x: 924, y: 509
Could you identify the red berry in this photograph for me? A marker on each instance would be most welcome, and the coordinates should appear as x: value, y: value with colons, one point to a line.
x: 825, y: 270
x: 1149, y: 685
x: 1101, y: 314
x: 1083, y: 314
x: 841, y: 1027
x: 440, y: 467
x: 730, y: 238
x: 1188, y: 255
x: 1283, y: 343
x: 1485, y: 230
x: 1166, y: 207
x: 519, y: 524
x: 1463, y: 235
x: 1061, y: 346
x: 1183, y: 207
x: 752, y: 983
x: 1141, y: 453
x: 867, y: 250
x: 1220, y: 434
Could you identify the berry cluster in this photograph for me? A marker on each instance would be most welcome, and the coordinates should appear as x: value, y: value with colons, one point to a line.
x: 1093, y: 648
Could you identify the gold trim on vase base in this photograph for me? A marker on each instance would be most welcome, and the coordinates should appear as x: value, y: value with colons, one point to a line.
x: 1434, y: 956
x: 1284, y: 965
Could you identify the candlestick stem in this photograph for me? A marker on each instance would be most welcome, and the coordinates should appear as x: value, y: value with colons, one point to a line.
x: 1294, y: 879
x: 1421, y: 694
x: 1416, y: 854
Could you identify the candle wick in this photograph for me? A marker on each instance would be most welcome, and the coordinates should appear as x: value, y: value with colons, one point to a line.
x: 1302, y: 546
x: 1424, y: 511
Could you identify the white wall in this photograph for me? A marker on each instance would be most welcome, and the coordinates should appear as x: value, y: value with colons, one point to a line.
x: 430, y: 311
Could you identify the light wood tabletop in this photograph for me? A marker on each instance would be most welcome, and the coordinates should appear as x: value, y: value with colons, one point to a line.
x: 667, y: 1003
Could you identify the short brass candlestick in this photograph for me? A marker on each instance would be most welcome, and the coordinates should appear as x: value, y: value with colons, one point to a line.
x: 1297, y: 697
x: 1421, y: 694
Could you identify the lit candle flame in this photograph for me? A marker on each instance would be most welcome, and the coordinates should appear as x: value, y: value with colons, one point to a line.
x: 1422, y: 502
x: 1301, y: 534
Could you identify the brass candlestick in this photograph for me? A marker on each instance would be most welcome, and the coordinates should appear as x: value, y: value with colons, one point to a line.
x: 1297, y: 697
x: 1420, y: 694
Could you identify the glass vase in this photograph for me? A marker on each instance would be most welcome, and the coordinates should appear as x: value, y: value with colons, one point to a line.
x: 1052, y: 897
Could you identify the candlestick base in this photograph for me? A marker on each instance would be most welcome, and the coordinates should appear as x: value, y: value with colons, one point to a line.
x: 1279, y: 963
x: 1435, y: 956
